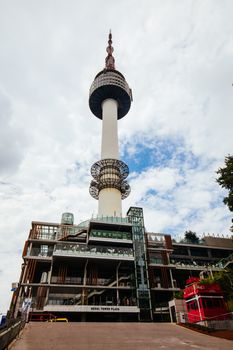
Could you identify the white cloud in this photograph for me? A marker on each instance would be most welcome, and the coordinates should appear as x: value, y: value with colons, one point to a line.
x: 177, y: 57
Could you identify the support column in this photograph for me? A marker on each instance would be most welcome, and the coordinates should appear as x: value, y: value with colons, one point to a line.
x: 117, y: 283
x: 83, y: 296
x: 171, y: 276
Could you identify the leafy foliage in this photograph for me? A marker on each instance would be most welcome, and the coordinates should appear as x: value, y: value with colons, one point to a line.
x: 225, y: 180
x: 230, y: 305
x: 179, y: 295
x: 191, y: 237
x: 225, y: 279
x: 207, y: 281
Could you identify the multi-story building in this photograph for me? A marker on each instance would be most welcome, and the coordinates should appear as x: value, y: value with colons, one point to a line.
x: 171, y: 264
x: 88, y: 270
x: 107, y: 267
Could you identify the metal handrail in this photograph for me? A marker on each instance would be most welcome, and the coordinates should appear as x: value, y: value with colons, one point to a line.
x: 223, y: 261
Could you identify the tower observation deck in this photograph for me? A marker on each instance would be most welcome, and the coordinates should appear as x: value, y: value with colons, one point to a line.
x: 110, y: 99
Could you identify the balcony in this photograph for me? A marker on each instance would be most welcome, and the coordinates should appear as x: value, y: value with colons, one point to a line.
x: 113, y: 236
x: 47, y: 232
x: 124, y: 281
x: 111, y: 219
x: 99, y: 252
x: 169, y: 288
x: 194, y: 265
x: 66, y: 280
x: 104, y: 304
x: 226, y: 261
x: 41, y: 253
x: 156, y: 240
x: 155, y: 261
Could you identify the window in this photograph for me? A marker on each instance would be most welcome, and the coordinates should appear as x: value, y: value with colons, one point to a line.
x: 209, y: 303
x: 44, y: 250
x: 192, y: 305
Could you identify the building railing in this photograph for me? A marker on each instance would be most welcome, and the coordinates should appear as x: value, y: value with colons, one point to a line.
x: 111, y: 219
x: 161, y: 308
x: 66, y: 280
x: 155, y: 240
x: 193, y: 264
x: 54, y: 232
x: 222, y: 263
x: 41, y: 253
x: 68, y: 230
x: 156, y: 261
x: 46, y: 236
x: 125, y: 301
x: 94, y: 251
x: 40, y: 231
x: 110, y: 78
x: 78, y: 280
x: 124, y: 280
x: 110, y: 234
x: 44, y: 232
x: 161, y: 286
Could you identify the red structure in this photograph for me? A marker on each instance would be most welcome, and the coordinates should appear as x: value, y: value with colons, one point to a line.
x: 204, y: 301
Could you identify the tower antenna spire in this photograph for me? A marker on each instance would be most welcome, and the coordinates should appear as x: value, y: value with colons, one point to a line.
x: 109, y: 60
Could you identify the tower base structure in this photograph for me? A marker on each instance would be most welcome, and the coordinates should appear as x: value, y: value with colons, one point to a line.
x: 107, y: 269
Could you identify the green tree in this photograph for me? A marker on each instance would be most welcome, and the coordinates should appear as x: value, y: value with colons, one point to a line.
x: 225, y: 179
x: 225, y: 279
x: 191, y: 237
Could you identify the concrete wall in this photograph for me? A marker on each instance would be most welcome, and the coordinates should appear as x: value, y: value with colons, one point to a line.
x: 180, y: 310
x: 217, y: 324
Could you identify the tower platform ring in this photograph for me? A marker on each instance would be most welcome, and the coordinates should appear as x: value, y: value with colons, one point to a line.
x: 122, y: 186
x: 110, y: 84
x: 109, y: 164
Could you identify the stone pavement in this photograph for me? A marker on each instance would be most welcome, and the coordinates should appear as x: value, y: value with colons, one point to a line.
x: 114, y: 336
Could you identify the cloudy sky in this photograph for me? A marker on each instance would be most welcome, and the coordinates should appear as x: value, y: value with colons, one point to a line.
x: 177, y: 57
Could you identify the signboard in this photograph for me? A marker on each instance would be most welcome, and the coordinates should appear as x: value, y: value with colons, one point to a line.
x: 104, y: 308
x: 92, y: 308
x: 14, y: 286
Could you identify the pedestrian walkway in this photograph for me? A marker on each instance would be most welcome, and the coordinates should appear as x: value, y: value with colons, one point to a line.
x: 115, y: 336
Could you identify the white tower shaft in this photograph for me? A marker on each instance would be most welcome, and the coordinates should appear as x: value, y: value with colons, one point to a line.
x: 109, y: 146
x: 109, y: 198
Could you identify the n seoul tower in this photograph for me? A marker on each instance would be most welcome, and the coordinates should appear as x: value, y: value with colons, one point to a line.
x: 110, y: 99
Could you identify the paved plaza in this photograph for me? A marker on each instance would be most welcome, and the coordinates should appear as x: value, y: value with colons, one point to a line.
x: 114, y: 336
